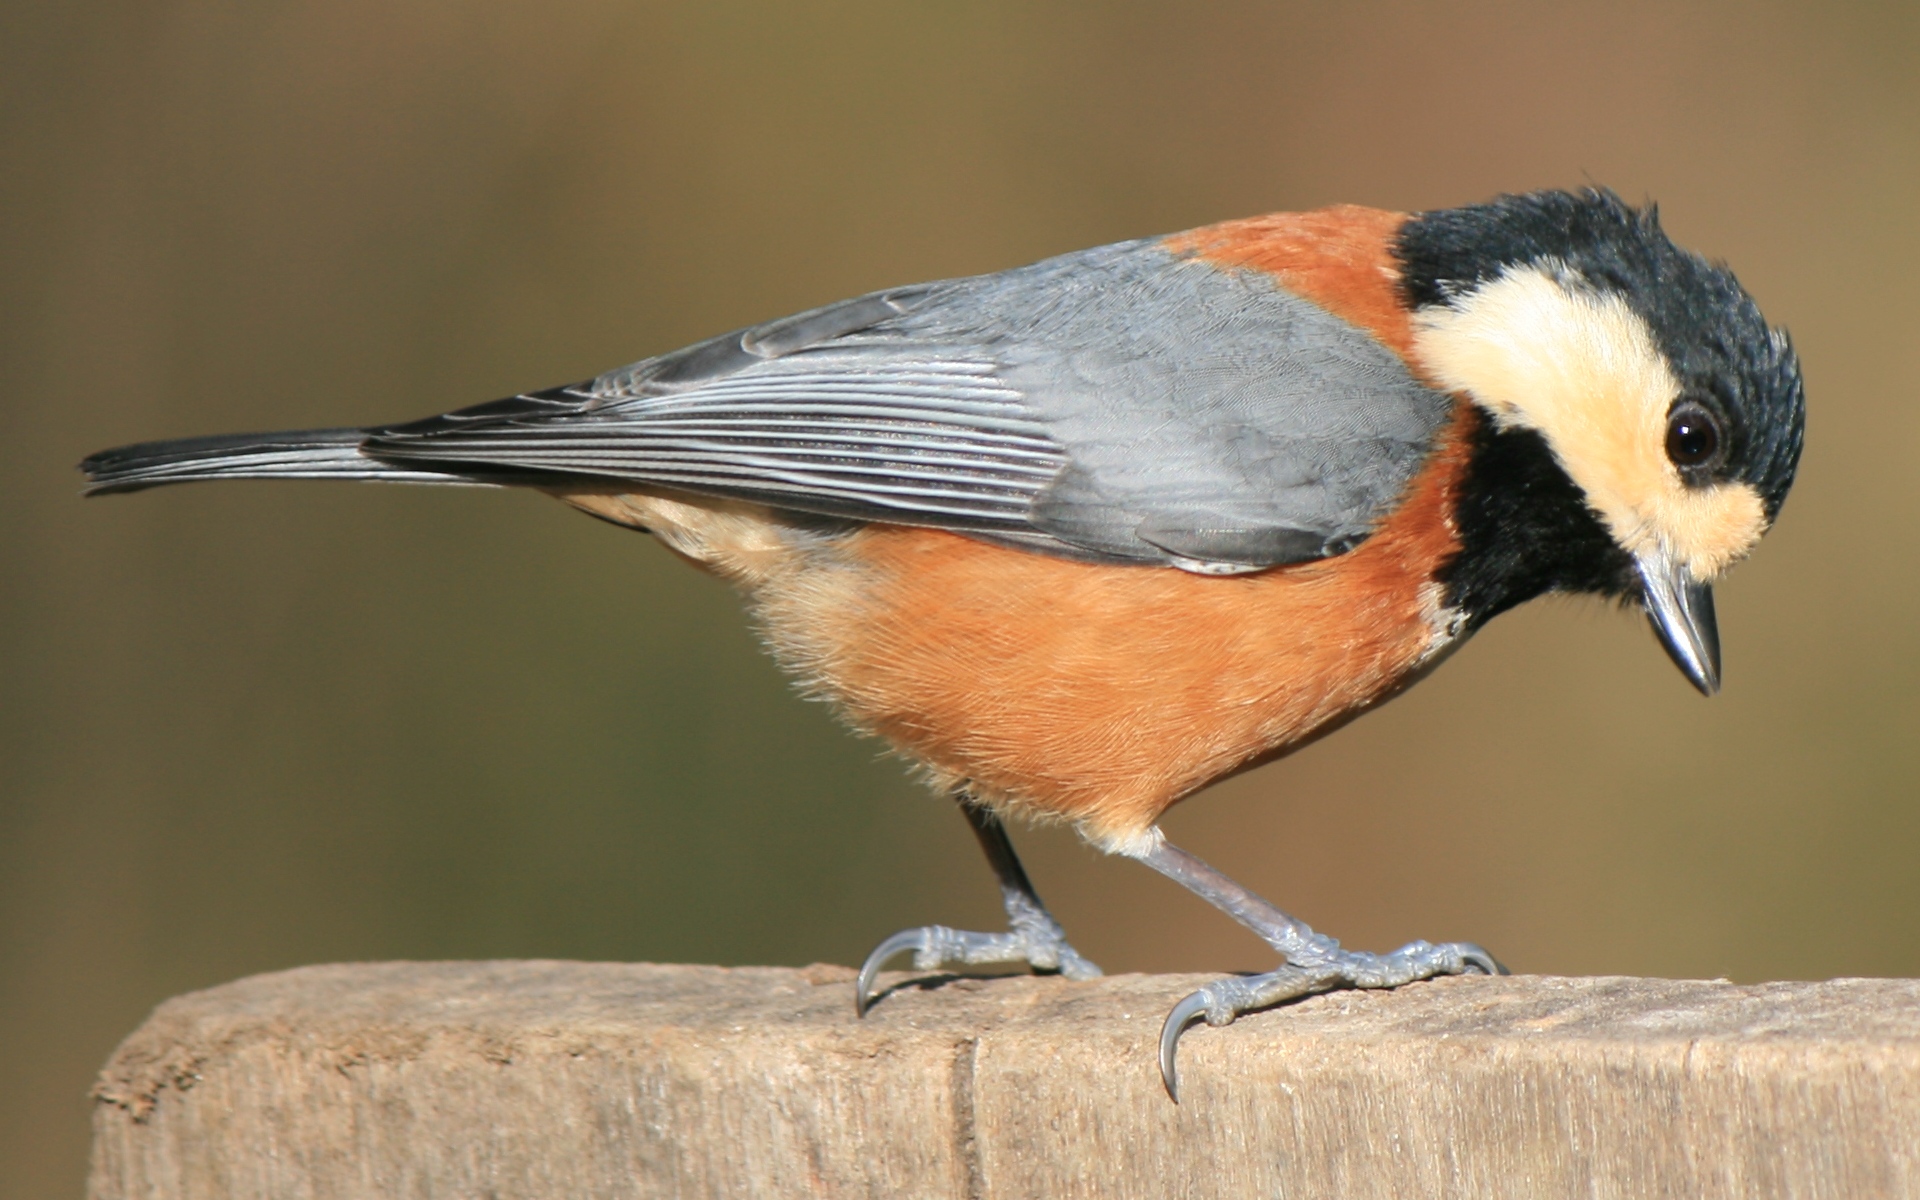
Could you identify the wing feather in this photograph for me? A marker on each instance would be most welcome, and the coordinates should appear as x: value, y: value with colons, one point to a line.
x: 926, y: 439
x: 1122, y: 404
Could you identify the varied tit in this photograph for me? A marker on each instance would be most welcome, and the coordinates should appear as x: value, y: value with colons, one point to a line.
x: 1082, y: 537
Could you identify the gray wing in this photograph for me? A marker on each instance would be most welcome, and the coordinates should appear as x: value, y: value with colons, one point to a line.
x: 1119, y: 404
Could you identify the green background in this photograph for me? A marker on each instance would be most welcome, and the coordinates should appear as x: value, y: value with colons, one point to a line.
x: 256, y: 725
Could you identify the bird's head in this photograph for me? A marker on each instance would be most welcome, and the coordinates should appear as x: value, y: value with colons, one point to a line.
x: 1646, y: 371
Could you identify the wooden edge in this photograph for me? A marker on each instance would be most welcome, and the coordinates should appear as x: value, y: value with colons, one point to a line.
x: 590, y: 1079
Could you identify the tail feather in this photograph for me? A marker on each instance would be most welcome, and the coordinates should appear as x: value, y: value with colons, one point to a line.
x: 290, y: 454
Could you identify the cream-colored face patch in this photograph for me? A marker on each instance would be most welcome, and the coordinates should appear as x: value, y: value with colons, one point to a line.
x: 1538, y: 350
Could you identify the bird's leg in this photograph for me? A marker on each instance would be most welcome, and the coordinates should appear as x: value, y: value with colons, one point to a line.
x: 1034, y: 937
x: 1314, y: 961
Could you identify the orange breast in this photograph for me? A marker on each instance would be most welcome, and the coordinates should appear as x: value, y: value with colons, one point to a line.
x: 1102, y: 694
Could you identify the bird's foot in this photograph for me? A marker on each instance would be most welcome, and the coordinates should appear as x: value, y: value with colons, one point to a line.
x: 1323, y: 967
x: 1038, y: 942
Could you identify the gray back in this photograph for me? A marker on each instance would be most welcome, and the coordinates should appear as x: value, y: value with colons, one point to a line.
x: 1121, y: 404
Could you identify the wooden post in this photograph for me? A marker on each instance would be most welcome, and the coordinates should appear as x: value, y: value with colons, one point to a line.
x: 576, y: 1080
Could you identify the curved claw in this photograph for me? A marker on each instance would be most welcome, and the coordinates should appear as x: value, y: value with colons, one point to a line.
x: 1478, y: 958
x: 893, y: 947
x: 1184, y: 1014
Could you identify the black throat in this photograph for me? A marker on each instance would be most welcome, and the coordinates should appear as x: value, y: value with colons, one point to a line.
x: 1525, y: 530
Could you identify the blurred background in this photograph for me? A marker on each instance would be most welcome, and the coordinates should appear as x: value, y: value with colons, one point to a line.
x: 256, y: 725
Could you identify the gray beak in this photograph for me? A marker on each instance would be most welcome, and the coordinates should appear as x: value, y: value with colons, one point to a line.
x: 1680, y: 608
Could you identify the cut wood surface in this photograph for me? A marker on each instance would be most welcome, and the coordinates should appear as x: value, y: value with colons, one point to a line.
x: 558, y: 1079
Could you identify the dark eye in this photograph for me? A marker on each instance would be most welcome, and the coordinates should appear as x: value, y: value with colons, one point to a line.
x: 1693, y: 436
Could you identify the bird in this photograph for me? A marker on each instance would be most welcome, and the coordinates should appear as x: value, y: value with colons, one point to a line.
x: 1080, y: 538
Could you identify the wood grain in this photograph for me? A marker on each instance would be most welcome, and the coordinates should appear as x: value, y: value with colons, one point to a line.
x: 552, y: 1079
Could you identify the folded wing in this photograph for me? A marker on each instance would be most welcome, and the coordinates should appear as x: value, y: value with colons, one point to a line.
x: 1122, y: 404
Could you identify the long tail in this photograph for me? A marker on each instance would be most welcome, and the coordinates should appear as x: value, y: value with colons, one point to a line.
x: 289, y: 454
